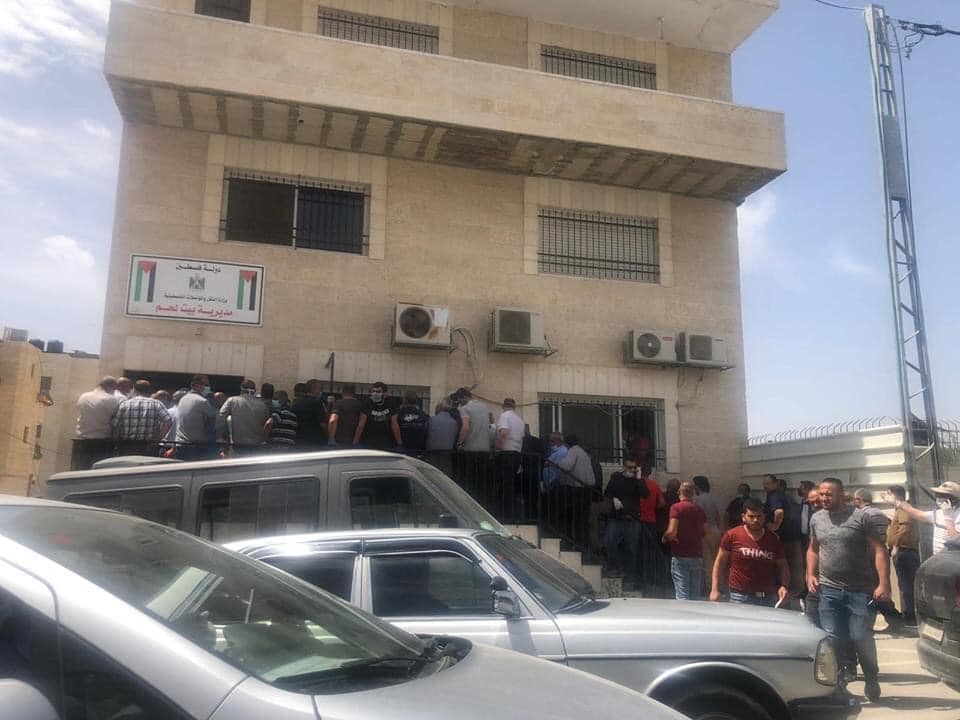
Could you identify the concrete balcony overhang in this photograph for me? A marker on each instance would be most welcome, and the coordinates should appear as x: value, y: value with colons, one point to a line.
x: 189, y: 71
x: 719, y: 25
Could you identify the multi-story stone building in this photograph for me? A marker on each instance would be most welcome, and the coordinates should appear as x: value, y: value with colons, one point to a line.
x: 295, y: 173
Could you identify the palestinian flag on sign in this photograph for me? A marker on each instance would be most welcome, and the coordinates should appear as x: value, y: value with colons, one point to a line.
x: 247, y: 290
x: 146, y: 275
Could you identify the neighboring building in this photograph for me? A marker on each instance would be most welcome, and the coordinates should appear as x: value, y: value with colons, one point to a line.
x: 21, y: 422
x: 580, y: 162
x: 65, y: 376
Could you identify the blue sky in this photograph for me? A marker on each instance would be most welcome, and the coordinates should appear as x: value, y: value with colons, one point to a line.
x: 816, y: 304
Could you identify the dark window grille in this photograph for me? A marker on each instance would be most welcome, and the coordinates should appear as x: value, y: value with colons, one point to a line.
x: 609, y: 428
x: 228, y: 9
x: 46, y: 382
x: 603, y: 68
x: 597, y: 245
x: 295, y: 212
x: 376, y: 30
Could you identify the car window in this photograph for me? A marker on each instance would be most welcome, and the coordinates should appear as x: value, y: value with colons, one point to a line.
x: 78, y: 680
x: 159, y: 505
x: 332, y: 572
x: 241, y: 610
x: 429, y: 584
x: 389, y: 502
x: 551, y: 582
x: 272, y: 507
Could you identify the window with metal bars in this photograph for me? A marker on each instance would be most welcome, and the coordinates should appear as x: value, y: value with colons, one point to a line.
x: 377, y: 30
x: 609, y: 428
x: 597, y: 245
x: 295, y: 212
x: 603, y: 68
x: 228, y: 9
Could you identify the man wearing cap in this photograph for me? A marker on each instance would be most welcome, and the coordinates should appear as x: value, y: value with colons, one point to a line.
x: 945, y: 519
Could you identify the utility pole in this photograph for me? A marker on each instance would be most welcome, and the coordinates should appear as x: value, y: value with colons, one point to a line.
x: 921, y: 442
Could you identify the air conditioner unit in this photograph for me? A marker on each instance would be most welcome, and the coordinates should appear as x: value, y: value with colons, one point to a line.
x: 704, y: 350
x: 651, y: 347
x: 421, y: 326
x: 15, y: 334
x: 519, y: 331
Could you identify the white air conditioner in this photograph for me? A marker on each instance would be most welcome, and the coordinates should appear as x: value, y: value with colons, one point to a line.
x: 651, y: 347
x: 15, y: 334
x: 704, y: 350
x: 421, y: 326
x: 519, y: 331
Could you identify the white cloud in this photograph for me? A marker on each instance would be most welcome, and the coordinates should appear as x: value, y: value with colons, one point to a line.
x: 11, y: 131
x: 35, y: 34
x: 65, y: 251
x: 754, y: 220
x: 96, y: 129
x: 844, y: 262
x: 54, y: 266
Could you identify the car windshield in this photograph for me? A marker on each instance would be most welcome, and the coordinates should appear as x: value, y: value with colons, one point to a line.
x: 259, y: 619
x: 469, y: 513
x: 547, y: 579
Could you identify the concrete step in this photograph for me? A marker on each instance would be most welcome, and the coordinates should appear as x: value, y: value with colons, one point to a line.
x: 610, y: 588
x: 530, y: 533
x: 572, y: 559
x: 551, y: 546
x: 592, y: 573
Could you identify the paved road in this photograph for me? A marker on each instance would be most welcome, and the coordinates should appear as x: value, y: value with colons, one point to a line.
x: 909, y: 693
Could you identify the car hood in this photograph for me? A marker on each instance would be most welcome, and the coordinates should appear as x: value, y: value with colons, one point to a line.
x: 631, y: 626
x: 490, y: 682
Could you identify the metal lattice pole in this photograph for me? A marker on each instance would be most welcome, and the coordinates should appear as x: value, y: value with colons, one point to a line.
x: 916, y: 386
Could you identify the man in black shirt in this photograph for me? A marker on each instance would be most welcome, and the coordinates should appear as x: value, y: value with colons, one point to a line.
x: 625, y: 490
x: 375, y: 429
x: 410, y: 425
x: 783, y: 519
x: 311, y: 414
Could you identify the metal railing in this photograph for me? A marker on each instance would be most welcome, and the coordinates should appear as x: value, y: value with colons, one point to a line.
x: 603, y: 68
x: 376, y: 30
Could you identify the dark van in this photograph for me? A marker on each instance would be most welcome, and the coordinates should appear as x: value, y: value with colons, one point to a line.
x: 223, y: 500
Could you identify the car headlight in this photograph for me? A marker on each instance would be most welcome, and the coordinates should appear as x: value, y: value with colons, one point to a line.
x: 825, y: 668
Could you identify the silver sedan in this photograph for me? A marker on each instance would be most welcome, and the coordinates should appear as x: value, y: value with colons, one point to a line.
x: 708, y: 660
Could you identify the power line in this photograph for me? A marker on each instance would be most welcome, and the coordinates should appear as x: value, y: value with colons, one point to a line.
x: 839, y: 6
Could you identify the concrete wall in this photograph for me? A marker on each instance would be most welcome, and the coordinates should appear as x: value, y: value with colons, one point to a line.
x: 450, y: 237
x: 19, y: 388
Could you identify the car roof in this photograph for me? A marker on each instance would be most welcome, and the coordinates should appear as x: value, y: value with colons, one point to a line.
x: 341, y: 535
x: 265, y: 459
x: 21, y: 501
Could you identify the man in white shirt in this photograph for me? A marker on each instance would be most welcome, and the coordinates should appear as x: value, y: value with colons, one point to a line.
x: 945, y: 519
x: 94, y: 438
x: 508, y: 443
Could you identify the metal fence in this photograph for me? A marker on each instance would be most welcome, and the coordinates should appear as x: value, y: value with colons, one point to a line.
x: 603, y: 68
x: 376, y: 30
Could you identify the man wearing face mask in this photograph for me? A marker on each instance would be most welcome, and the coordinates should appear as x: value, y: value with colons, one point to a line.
x: 945, y: 519
x: 375, y: 429
x: 246, y: 415
x: 196, y: 420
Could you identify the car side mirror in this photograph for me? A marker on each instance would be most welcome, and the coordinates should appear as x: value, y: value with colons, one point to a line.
x: 25, y: 702
x: 505, y: 600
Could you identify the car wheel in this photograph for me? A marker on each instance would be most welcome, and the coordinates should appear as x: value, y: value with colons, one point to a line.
x: 715, y: 702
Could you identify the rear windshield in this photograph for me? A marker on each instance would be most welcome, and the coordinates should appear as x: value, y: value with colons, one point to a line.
x: 259, y: 619
x: 470, y: 514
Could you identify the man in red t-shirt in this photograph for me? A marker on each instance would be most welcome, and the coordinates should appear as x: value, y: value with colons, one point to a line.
x: 685, y: 532
x: 759, y: 573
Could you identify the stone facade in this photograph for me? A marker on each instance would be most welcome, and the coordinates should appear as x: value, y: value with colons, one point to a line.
x: 445, y: 229
x: 21, y: 420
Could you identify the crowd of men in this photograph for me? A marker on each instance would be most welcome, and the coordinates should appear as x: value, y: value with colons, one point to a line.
x: 827, y: 554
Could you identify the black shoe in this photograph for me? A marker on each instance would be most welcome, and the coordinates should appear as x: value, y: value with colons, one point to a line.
x: 871, y: 690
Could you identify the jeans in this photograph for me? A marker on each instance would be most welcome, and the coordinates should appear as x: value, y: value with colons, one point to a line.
x: 687, y: 577
x: 769, y: 601
x: 906, y: 562
x: 625, y: 532
x: 848, y: 622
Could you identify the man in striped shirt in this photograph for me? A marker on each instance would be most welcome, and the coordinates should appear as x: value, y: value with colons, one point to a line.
x: 141, y: 422
x: 281, y: 426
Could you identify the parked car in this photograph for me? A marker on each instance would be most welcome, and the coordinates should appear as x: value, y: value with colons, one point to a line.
x: 224, y: 500
x: 937, y: 587
x: 105, y: 616
x: 706, y: 660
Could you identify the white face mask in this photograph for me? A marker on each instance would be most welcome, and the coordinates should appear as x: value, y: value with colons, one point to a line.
x: 945, y: 505
x: 376, y: 396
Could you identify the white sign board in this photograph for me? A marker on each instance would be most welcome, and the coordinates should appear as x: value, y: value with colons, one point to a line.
x: 195, y: 290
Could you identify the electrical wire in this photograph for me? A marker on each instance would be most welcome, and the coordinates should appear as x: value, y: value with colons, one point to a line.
x: 839, y: 6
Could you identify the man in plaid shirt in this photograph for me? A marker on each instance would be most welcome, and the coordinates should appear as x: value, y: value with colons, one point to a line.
x: 141, y: 422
